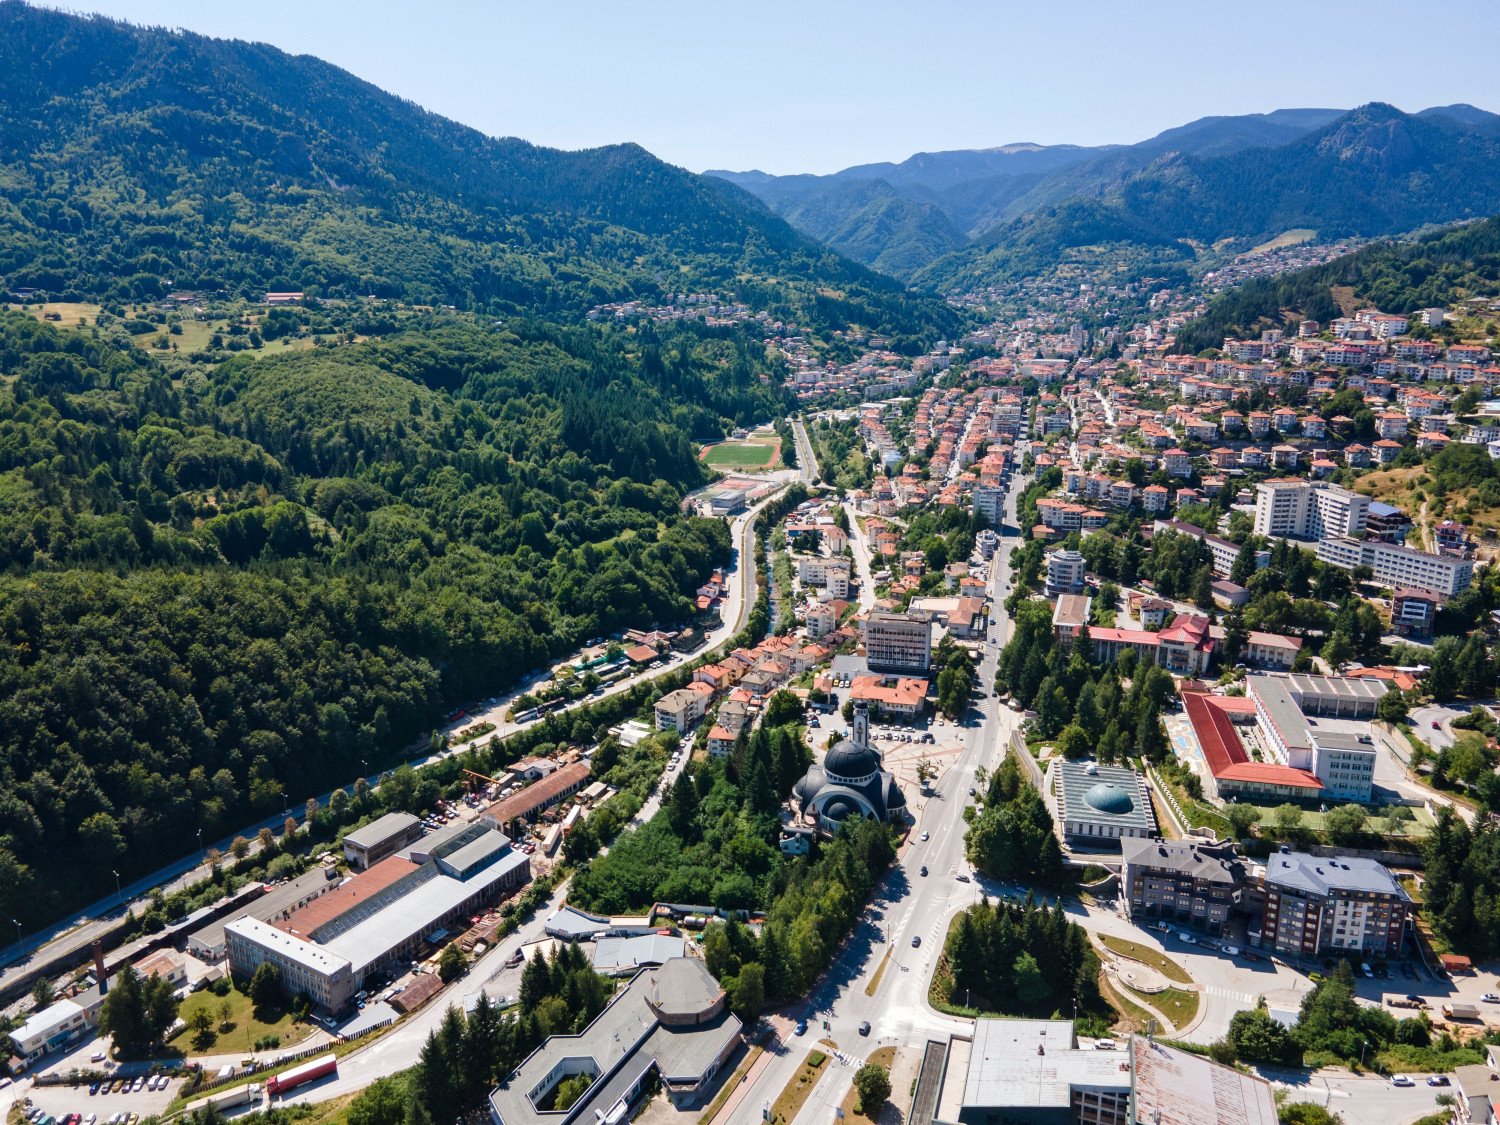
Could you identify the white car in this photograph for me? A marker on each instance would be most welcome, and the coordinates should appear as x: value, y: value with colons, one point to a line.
x: 1232, y: 950
x: 1403, y: 1080
x: 1490, y: 998
x: 924, y: 835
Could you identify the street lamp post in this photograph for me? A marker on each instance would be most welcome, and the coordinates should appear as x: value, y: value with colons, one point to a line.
x: 118, y: 895
x: 17, y: 921
x: 200, y: 842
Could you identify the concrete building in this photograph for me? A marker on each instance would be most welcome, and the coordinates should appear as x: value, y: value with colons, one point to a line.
x: 367, y: 846
x: 1101, y: 806
x: 1069, y: 616
x: 989, y: 505
x: 398, y: 907
x: 681, y: 710
x: 1316, y: 905
x: 1184, y: 881
x: 1033, y: 1072
x: 902, y: 697
x: 209, y: 944
x: 897, y: 642
x: 1271, y: 650
x: 54, y: 1028
x: 1292, y: 508
x: 1397, y: 566
x: 1065, y: 572
x: 1343, y: 764
x: 672, y: 1021
x: 1414, y: 612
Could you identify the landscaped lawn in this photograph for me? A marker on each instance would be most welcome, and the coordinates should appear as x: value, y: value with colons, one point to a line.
x: 1314, y: 821
x: 797, y: 1091
x: 1147, y: 956
x: 1177, y: 1004
x: 882, y: 1056
x: 243, y: 1028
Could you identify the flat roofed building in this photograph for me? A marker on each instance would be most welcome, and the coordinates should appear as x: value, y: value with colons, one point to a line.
x: 306, y: 967
x: 1185, y: 881
x: 54, y: 1027
x: 1293, y: 508
x: 367, y: 846
x: 897, y: 642
x: 1340, y: 761
x: 1345, y: 905
x: 672, y: 1020
x: 1397, y: 566
x: 1033, y: 1072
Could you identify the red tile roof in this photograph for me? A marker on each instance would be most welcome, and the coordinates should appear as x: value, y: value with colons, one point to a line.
x: 1222, y: 749
x: 324, y: 909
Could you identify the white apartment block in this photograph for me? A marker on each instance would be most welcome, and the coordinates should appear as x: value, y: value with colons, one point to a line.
x: 989, y: 505
x: 1399, y: 567
x: 897, y: 642
x: 1065, y: 572
x: 1308, y: 509
x: 832, y: 574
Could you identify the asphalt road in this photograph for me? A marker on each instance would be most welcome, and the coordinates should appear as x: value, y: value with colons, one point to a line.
x: 807, y: 460
x: 905, y: 905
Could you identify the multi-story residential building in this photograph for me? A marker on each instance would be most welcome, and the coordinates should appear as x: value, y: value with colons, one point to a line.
x: 1185, y: 881
x: 1065, y: 572
x: 989, y: 505
x: 1271, y: 650
x: 681, y: 710
x: 1413, y: 612
x: 1316, y: 904
x: 1396, y: 566
x: 1304, y: 509
x: 897, y: 642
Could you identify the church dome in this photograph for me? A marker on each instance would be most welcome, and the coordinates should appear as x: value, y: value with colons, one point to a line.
x: 850, y: 760
x: 808, y: 786
x: 1107, y: 798
x: 841, y: 807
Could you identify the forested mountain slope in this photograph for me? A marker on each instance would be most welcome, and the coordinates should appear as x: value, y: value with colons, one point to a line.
x: 218, y: 595
x: 1394, y: 276
x: 133, y: 161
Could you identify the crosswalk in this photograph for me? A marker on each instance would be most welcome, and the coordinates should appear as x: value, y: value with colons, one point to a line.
x: 1243, y: 999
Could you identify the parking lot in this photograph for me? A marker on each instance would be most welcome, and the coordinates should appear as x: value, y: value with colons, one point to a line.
x: 99, y: 1108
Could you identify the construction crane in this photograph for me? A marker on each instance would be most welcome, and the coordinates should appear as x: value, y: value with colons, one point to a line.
x: 479, y: 777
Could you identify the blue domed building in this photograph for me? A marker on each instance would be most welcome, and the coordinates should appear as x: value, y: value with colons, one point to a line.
x: 849, y: 782
x: 1098, y: 806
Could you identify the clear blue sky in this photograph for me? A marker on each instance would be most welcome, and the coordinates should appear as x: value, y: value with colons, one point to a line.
x: 816, y: 85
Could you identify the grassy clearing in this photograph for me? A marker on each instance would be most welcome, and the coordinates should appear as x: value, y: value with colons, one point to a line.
x: 1146, y: 956
x: 239, y: 1032
x: 68, y: 312
x: 1177, y: 1004
x: 730, y: 1086
x: 796, y: 1092
x: 881, y: 1056
x: 1294, y: 237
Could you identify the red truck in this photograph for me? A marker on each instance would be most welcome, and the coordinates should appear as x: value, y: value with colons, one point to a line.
x: 309, y: 1071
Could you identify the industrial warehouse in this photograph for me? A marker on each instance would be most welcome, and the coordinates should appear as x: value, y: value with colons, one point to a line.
x: 328, y: 947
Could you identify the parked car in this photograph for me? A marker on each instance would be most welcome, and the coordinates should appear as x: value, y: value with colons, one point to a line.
x: 961, y: 877
x: 1232, y: 950
x: 924, y: 837
x: 1402, y: 1080
x: 1490, y: 998
x: 1437, y: 1080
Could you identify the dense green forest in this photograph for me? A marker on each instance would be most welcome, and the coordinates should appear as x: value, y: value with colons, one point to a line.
x: 1397, y: 277
x: 134, y: 161
x: 217, y: 595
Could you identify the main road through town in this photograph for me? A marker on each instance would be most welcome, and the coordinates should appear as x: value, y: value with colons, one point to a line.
x: 906, y: 905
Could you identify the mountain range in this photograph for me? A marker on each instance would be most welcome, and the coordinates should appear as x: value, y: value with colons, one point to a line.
x: 134, y: 160
x: 973, y: 217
